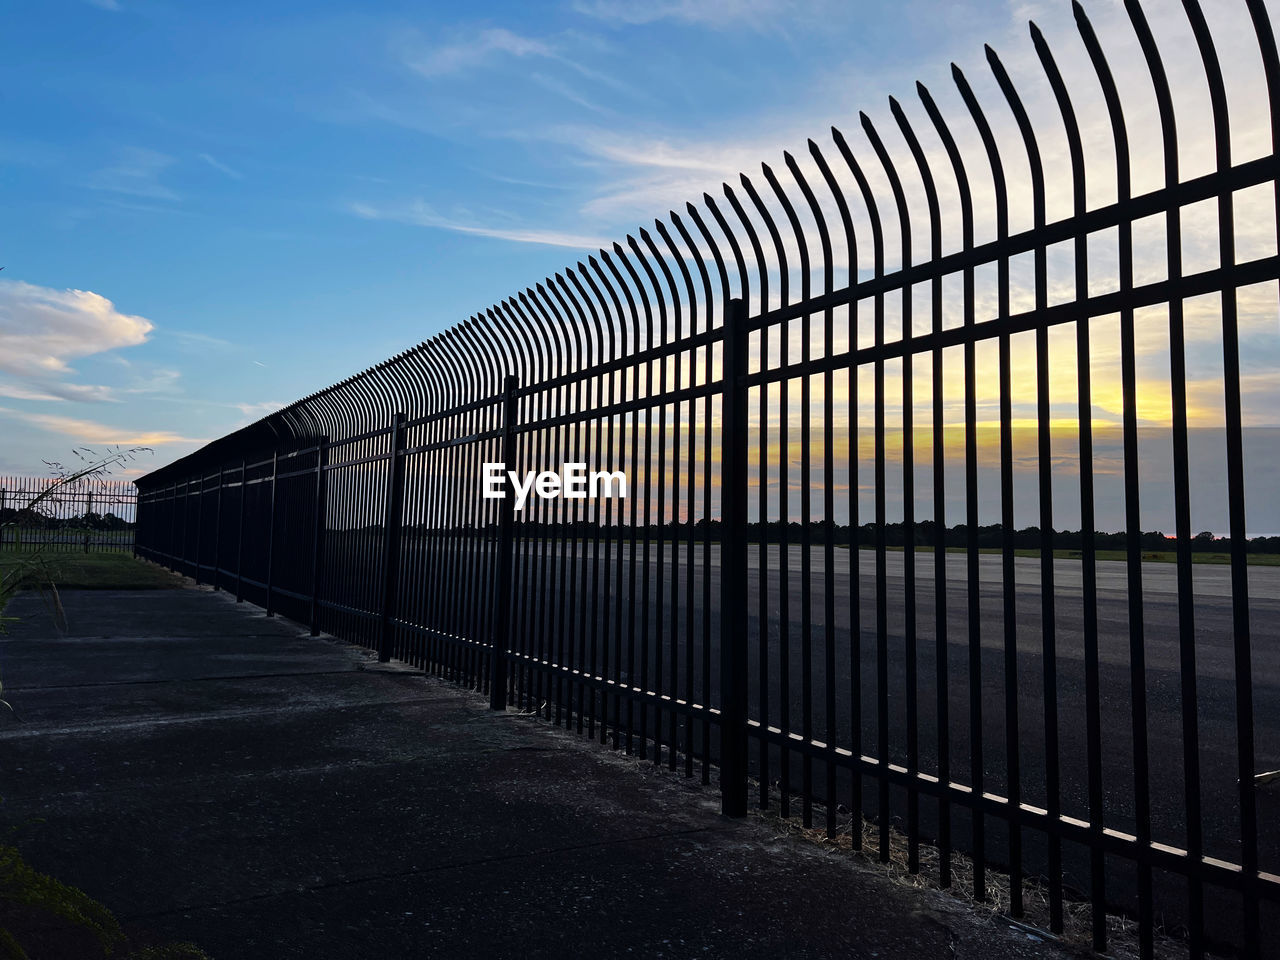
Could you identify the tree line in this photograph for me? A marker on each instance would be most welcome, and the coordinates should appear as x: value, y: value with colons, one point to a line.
x: 35, y: 520
x: 923, y: 533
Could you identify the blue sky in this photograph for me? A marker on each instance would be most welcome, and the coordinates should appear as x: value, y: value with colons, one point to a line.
x: 288, y: 192
x: 213, y: 209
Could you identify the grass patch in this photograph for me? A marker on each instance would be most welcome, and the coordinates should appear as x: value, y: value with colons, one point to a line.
x: 41, y: 916
x: 96, y: 571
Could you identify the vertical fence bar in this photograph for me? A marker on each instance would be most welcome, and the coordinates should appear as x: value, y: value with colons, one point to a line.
x: 506, y: 551
x: 271, y: 533
x: 733, y: 566
x: 317, y: 536
x: 170, y: 539
x: 1241, y: 639
x: 199, y: 527
x: 186, y: 516
x: 217, y: 530
x: 244, y: 495
x: 391, y: 536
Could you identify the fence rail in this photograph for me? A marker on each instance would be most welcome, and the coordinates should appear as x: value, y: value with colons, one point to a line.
x: 787, y: 393
x: 43, y: 513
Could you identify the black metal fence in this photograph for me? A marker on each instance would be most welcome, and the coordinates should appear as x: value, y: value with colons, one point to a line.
x: 796, y: 589
x: 45, y: 514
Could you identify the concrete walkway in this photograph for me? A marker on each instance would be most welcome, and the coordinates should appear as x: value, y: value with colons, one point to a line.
x: 215, y: 776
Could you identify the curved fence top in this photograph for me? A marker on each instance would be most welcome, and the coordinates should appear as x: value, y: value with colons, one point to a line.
x: 819, y: 232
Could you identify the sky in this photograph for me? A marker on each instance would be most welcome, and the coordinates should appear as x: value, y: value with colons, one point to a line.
x: 211, y: 210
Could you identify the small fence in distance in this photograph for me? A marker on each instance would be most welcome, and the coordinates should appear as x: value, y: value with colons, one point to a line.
x: 86, y: 515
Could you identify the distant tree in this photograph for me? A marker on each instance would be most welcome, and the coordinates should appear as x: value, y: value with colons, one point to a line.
x: 111, y: 522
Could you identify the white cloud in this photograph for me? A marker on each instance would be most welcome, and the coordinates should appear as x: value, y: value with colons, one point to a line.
x: 421, y: 214
x: 104, y: 4
x: 135, y: 173
x: 43, y: 329
x: 465, y: 54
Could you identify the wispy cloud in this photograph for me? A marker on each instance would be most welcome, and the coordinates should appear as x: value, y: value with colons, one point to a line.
x: 467, y: 54
x: 197, y: 340
x: 758, y: 14
x: 48, y: 391
x: 160, y: 380
x: 649, y: 175
x: 28, y: 152
x: 135, y: 173
x: 560, y: 88
x: 90, y: 431
x: 487, y: 45
x: 104, y: 4
x: 252, y: 412
x: 221, y: 167
x: 421, y: 214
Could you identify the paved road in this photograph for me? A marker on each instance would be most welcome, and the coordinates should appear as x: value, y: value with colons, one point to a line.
x: 215, y: 776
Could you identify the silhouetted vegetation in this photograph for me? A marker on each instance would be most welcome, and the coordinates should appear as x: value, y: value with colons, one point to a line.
x: 896, y: 535
x: 29, y: 519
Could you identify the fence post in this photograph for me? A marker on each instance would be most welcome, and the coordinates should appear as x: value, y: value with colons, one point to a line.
x: 186, y: 519
x: 733, y: 564
x: 506, y: 552
x: 271, y: 535
x: 391, y: 535
x: 199, y: 525
x: 171, y: 541
x: 87, y: 511
x: 317, y: 537
x: 217, y: 531
x: 244, y: 493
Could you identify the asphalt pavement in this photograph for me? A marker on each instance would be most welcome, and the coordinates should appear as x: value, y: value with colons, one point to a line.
x: 216, y: 776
